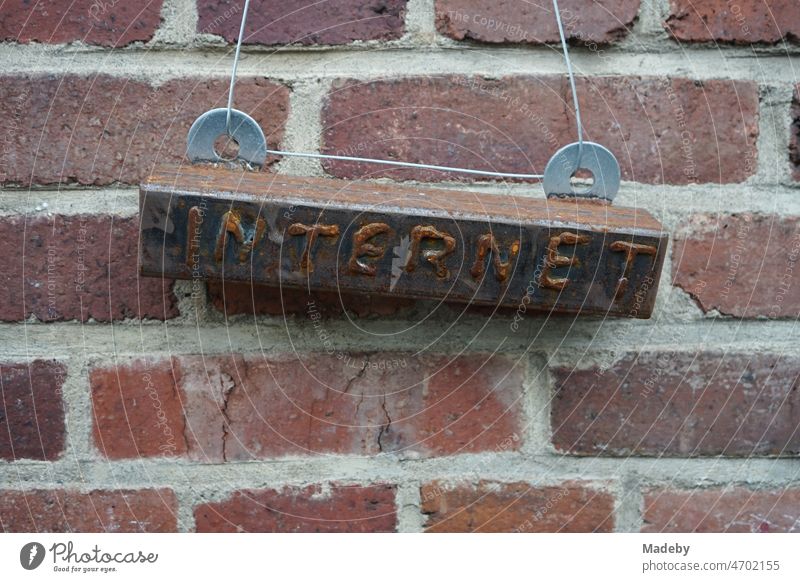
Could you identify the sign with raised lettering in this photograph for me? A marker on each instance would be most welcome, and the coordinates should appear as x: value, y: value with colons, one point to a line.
x: 564, y: 255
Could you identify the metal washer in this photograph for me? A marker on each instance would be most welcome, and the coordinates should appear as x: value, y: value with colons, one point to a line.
x: 595, y: 158
x: 212, y: 124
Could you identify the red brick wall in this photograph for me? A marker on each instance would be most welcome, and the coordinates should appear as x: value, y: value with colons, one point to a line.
x: 139, y: 404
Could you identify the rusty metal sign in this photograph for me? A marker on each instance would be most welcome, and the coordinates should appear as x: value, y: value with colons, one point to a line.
x: 564, y: 255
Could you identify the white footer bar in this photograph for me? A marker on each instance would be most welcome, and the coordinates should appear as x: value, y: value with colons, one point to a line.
x: 401, y: 557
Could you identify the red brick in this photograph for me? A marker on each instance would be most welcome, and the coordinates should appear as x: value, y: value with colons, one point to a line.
x: 137, y: 411
x: 740, y: 22
x: 511, y: 21
x: 794, y: 145
x: 60, y: 511
x: 516, y: 124
x: 112, y: 24
x: 515, y: 507
x: 742, y: 265
x: 77, y: 268
x: 95, y: 130
x: 717, y: 510
x: 31, y: 410
x: 680, y: 404
x: 304, y: 22
x: 245, y: 299
x: 234, y: 408
x: 319, y: 403
x: 315, y: 508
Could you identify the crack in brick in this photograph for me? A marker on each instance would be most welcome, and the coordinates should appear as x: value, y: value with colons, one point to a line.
x: 228, y: 385
x: 385, y: 427
x: 358, y: 406
x: 177, y: 395
x: 350, y: 383
x: 360, y: 374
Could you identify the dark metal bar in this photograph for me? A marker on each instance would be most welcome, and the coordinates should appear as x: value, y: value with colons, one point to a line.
x: 564, y: 255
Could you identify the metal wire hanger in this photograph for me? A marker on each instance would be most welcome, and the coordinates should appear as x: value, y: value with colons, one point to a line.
x: 252, y: 145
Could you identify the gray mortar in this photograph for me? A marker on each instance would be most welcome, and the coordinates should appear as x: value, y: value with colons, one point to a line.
x: 774, y: 67
x: 177, y: 50
x: 267, y: 335
x: 773, y: 137
x: 420, y: 23
x: 304, y: 127
x: 629, y: 504
x: 178, y: 24
x: 669, y: 204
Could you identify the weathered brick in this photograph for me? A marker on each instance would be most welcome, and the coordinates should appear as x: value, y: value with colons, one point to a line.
x: 77, y: 267
x: 31, y: 410
x: 241, y: 408
x: 59, y: 511
x: 112, y: 24
x: 137, y: 411
x: 794, y: 145
x: 680, y: 404
x: 305, y: 22
x: 722, y: 510
x: 233, y: 298
x: 511, y: 21
x: 740, y: 22
x: 338, y: 402
x: 516, y: 507
x: 95, y: 130
x: 315, y: 508
x: 674, y: 131
x: 742, y: 265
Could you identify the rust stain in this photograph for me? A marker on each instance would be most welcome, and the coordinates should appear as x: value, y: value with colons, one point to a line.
x: 556, y: 260
x: 435, y: 258
x: 362, y: 248
x: 631, y: 250
x: 311, y: 233
x: 232, y: 224
x: 193, y: 235
x: 384, y: 231
x: 486, y: 244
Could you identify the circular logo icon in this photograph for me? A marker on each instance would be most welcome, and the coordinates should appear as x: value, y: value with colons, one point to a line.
x: 31, y: 555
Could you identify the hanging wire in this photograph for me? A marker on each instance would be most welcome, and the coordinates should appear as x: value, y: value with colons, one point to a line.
x: 413, y: 164
x: 235, y: 64
x: 407, y: 165
x: 571, y: 76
